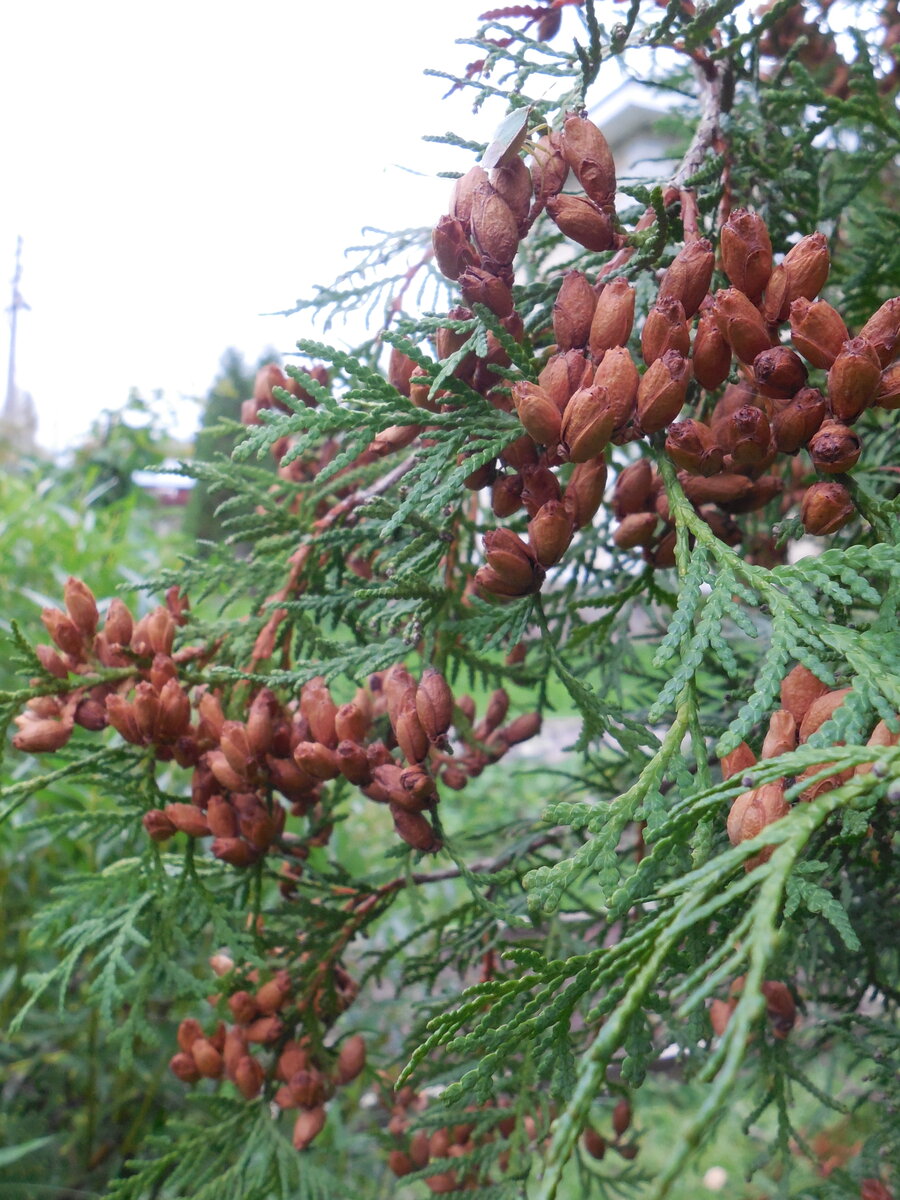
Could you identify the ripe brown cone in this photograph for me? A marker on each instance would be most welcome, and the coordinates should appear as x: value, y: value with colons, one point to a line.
x: 588, y: 154
x: 613, y: 317
x: 826, y: 507
x: 582, y: 221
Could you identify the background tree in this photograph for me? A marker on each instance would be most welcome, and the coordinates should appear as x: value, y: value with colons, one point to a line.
x: 216, y: 437
x: 586, y: 481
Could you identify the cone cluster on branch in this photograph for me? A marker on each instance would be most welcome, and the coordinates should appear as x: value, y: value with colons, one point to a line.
x: 806, y: 704
x: 390, y: 741
x: 767, y: 328
x: 266, y: 1022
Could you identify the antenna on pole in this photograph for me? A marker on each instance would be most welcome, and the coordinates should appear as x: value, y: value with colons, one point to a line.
x: 10, y: 407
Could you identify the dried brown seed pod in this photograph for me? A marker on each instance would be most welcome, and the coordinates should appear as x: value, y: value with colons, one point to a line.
x: 351, y: 1058
x: 689, y: 274
x: 480, y: 286
x: 799, y: 689
x: 613, y: 317
x: 746, y: 250
x: 184, y: 1068
x: 513, y: 560
x: 821, y: 709
x: 64, y: 632
x: 807, y: 264
x: 582, y: 221
x: 780, y: 1008
x: 586, y: 424
x: 795, y: 423
x: 826, y: 508
x: 81, y: 607
x: 563, y: 374
x: 739, y: 760
x: 779, y: 372
x: 207, y: 1058
x: 781, y: 736
x: 853, y: 379
x: 621, y: 1118
x: 415, y: 830
x: 506, y: 495
x: 588, y: 154
x: 741, y: 324
x: 249, y: 1076
x: 434, y: 703
x: 453, y: 251
x: 550, y: 532
x: 662, y: 391
x: 307, y: 1127
x: 584, y: 491
x: 537, y: 412
x: 887, y: 394
x: 818, y: 331
x: 494, y: 226
x: 747, y: 435
x: 665, y: 329
x: 512, y: 181
x: 882, y: 330
x: 692, y: 447
x: 594, y: 1143
x: 158, y: 825
x: 321, y: 762
x: 711, y: 356
x: 317, y: 706
x: 464, y: 191
x: 618, y: 373
x: 573, y: 311
x: 834, y: 448
x: 549, y: 167
x: 633, y: 486
x: 637, y: 529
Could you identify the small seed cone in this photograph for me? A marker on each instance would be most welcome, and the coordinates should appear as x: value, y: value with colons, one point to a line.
x: 662, y: 391
x: 799, y: 689
x: 549, y: 168
x: 587, y: 424
x: 853, y: 379
x: 820, y: 711
x: 415, y: 830
x: 512, y: 182
x: 711, y: 354
x: 795, y: 423
x: 777, y: 301
x: 81, y: 607
x: 637, y: 529
x: 506, y: 495
x: 613, y: 317
x: 779, y: 372
x: 573, y: 311
x: 738, y: 761
x: 826, y: 508
x: 583, y: 222
x: 321, y: 762
x: 741, y: 324
x: 307, y: 1127
x: 719, y: 489
x: 807, y: 265
x: 434, y: 704
x: 818, y: 331
x: 633, y: 487
x: 537, y: 412
x: 512, y: 559
x: 550, y: 532
x: 665, y: 329
x: 835, y: 448
x: 747, y: 436
x: 780, y: 1008
x: 588, y: 154
x: 249, y: 1076
x: 781, y: 736
x: 118, y: 624
x: 746, y: 251
x: 351, y: 1058
x: 692, y: 447
x: 882, y: 330
x: 453, y: 251
x: 317, y: 706
x: 494, y: 226
x: 464, y: 191
x: 688, y: 276
x: 887, y: 394
x: 480, y: 286
x: 584, y: 491
x: 411, y: 737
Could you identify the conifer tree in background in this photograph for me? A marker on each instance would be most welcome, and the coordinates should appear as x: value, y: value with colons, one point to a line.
x: 383, y: 962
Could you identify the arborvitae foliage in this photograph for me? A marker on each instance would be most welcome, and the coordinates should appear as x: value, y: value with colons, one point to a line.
x: 637, y: 466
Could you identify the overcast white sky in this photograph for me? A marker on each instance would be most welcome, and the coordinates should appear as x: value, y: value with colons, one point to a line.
x: 177, y: 169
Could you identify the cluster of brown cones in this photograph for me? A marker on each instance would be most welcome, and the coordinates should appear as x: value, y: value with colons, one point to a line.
x: 768, y: 327
x: 806, y: 704
x: 390, y: 740
x: 300, y: 1075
